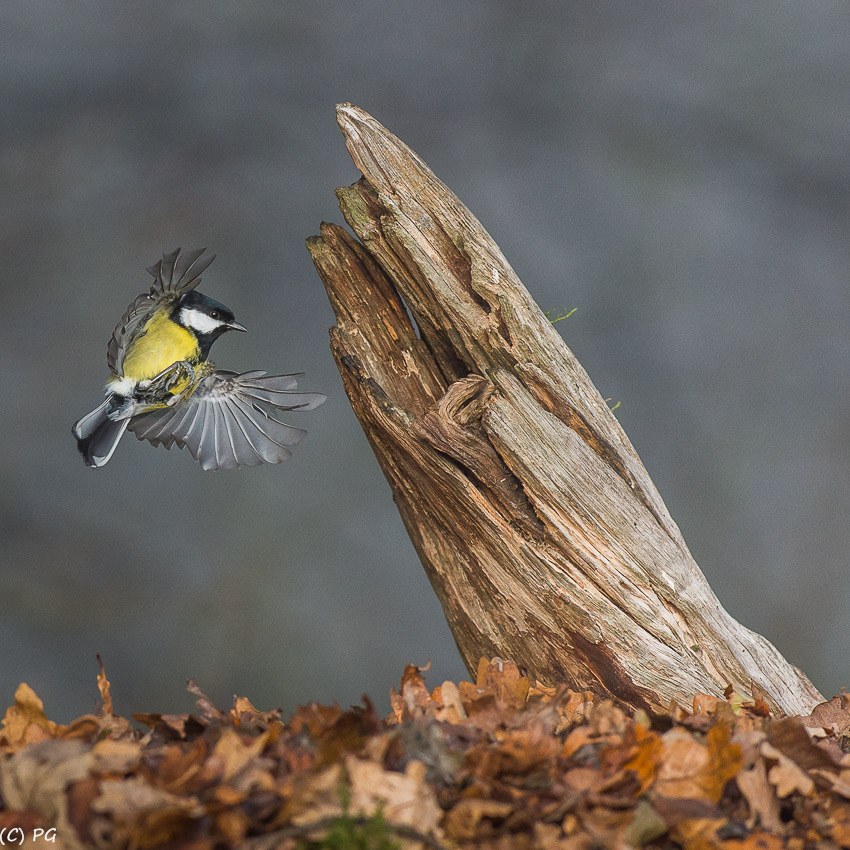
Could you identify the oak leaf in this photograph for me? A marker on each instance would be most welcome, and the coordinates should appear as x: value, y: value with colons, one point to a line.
x: 760, y: 796
x: 465, y: 818
x: 25, y: 722
x: 785, y: 774
x: 402, y: 798
x: 694, y: 770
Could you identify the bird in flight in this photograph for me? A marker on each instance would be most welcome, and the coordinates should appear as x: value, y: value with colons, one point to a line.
x: 164, y: 388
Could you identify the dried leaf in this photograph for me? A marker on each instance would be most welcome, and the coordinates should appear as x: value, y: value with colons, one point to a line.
x: 646, y: 758
x: 414, y: 699
x: 103, y: 686
x: 706, y: 704
x: 244, y: 714
x: 110, y: 756
x: 840, y: 783
x: 760, y: 796
x: 25, y: 722
x: 402, y: 798
x: 833, y: 715
x: 547, y: 836
x: 572, y: 707
x: 204, y: 704
x: 725, y: 760
x: 177, y: 767
x: 697, y: 771
x: 607, y: 718
x: 790, y: 736
x: 231, y: 755
x: 312, y: 797
x: 464, y: 820
x: 839, y: 819
x: 482, y: 763
x: 36, y: 777
x: 142, y: 815
x: 499, y: 680
x: 450, y: 708
x: 785, y: 774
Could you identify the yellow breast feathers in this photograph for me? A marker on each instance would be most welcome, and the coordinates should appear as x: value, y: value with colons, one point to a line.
x: 160, y: 343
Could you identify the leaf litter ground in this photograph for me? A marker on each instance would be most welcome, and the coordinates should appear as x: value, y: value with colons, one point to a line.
x: 499, y: 763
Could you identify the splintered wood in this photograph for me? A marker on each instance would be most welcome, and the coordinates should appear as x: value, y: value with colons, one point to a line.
x: 539, y: 528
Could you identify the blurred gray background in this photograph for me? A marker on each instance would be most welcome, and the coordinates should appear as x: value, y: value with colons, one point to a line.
x: 679, y: 174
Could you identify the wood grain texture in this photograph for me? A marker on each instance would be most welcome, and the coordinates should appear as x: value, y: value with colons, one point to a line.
x: 539, y: 528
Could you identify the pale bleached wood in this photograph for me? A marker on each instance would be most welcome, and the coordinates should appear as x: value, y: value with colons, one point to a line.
x: 539, y: 528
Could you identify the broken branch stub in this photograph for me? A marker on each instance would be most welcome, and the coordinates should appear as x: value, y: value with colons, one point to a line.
x: 539, y: 528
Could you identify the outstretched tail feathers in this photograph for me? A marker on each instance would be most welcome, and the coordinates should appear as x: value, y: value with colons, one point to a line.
x: 97, y: 435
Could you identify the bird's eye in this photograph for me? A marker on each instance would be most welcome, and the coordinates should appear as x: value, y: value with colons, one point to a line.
x: 214, y: 314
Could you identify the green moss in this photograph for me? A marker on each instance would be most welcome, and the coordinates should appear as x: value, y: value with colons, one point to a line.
x: 352, y: 833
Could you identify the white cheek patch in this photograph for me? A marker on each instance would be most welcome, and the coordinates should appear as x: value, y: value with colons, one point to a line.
x: 199, y: 321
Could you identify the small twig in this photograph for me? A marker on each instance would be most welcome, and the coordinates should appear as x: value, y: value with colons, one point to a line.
x: 560, y: 318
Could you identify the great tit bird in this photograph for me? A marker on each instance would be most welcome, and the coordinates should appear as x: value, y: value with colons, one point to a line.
x: 164, y: 388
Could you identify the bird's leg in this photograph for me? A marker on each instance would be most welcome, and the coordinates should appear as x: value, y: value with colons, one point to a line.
x: 161, y: 388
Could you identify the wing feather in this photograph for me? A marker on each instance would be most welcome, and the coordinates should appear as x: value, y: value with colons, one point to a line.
x: 248, y: 454
x: 231, y: 420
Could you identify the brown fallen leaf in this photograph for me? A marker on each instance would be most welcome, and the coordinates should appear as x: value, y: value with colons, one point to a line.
x: 25, y: 722
x: 833, y: 715
x: 645, y: 759
x: 245, y: 715
x: 838, y: 783
x: 402, y: 798
x: 785, y: 774
x: 413, y: 698
x: 139, y: 815
x: 498, y: 679
x: 111, y: 756
x: 646, y: 825
x: 309, y: 798
x: 172, y: 727
x: 693, y: 770
x: 104, y: 687
x: 449, y: 704
x: 36, y: 776
x: 176, y: 768
x: 725, y: 760
x: 233, y: 824
x: 789, y: 735
x: 232, y: 754
x: 839, y: 820
x: 760, y: 796
x: 204, y: 704
x: 706, y: 704
x: 572, y: 707
x: 313, y: 719
x: 463, y: 821
x: 485, y: 765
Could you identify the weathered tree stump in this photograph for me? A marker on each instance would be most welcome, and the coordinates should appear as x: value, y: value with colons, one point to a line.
x: 539, y: 528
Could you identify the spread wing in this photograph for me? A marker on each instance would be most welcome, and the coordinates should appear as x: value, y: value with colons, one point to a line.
x: 174, y: 274
x: 230, y: 420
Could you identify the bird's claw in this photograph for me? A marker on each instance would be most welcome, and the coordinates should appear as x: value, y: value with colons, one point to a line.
x: 177, y: 373
x: 161, y: 388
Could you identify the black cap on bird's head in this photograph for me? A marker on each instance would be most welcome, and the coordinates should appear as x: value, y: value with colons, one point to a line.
x: 205, y: 317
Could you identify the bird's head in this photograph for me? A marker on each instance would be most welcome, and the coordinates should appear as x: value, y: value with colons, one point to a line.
x: 205, y: 317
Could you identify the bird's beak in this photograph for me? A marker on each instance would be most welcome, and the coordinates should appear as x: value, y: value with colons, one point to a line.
x: 236, y: 326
